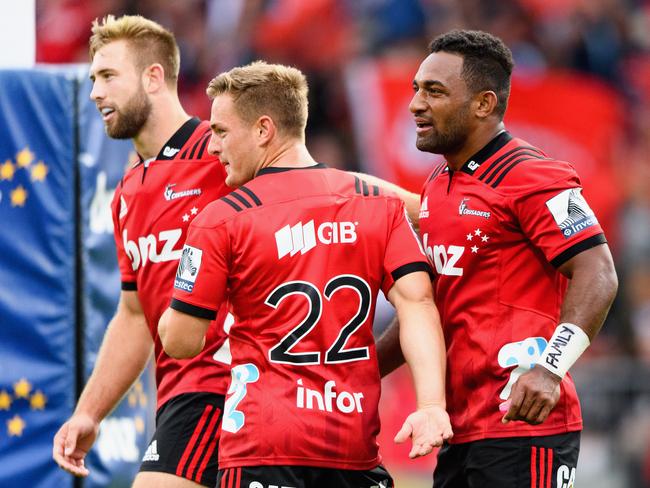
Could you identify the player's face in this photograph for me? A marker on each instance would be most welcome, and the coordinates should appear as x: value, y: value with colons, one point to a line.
x: 233, y: 140
x: 441, y: 104
x: 118, y: 91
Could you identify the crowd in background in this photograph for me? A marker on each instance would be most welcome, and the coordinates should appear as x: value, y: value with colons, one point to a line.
x: 607, y: 39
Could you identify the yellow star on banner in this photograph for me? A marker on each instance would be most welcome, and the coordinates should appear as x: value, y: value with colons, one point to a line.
x: 133, y: 399
x: 18, y: 196
x: 22, y: 388
x: 7, y: 170
x: 139, y: 424
x: 5, y: 400
x: 39, y: 172
x: 38, y: 400
x: 24, y: 158
x: 15, y: 426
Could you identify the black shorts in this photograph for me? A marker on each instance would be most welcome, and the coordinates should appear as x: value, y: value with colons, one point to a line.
x: 186, y: 440
x: 517, y: 462
x: 303, y: 477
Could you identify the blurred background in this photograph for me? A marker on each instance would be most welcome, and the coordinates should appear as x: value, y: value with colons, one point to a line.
x: 581, y: 92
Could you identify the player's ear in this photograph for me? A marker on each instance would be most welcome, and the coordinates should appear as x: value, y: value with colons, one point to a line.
x: 485, y: 103
x: 265, y: 130
x: 153, y: 77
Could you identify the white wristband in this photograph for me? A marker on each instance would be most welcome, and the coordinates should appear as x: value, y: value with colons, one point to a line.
x: 563, y: 349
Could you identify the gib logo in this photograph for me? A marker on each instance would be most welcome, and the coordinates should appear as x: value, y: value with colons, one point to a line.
x: 301, y: 238
x: 146, y: 248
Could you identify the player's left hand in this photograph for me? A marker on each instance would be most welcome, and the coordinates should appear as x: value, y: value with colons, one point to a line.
x: 428, y: 428
x: 533, y: 396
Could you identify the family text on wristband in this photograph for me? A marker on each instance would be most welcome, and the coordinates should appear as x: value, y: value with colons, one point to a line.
x: 563, y: 349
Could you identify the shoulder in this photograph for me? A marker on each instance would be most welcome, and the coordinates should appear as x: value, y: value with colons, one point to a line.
x: 196, y: 147
x: 520, y: 168
x: 236, y: 203
x: 350, y: 184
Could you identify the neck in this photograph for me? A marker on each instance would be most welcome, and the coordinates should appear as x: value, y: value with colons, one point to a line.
x: 290, y: 154
x: 474, y: 143
x: 167, y: 116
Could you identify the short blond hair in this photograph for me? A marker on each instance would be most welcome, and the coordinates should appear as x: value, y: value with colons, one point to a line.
x: 260, y: 89
x: 151, y: 42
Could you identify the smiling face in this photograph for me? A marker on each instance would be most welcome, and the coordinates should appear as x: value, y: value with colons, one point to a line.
x: 441, y: 105
x: 233, y: 140
x: 118, y: 91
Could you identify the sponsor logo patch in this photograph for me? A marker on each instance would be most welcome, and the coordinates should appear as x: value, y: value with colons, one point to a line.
x: 464, y: 210
x: 170, y: 194
x: 170, y: 152
x: 571, y: 212
x: 188, y: 268
x: 424, y: 208
x: 123, y: 208
x: 152, y: 453
x: 301, y: 238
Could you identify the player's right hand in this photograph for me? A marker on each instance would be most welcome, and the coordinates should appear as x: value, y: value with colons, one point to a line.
x: 428, y: 428
x: 73, y: 441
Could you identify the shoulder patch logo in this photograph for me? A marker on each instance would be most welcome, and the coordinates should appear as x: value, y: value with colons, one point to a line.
x: 188, y: 268
x: 571, y: 212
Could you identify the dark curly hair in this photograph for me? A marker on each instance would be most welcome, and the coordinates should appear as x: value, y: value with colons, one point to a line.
x: 487, y: 62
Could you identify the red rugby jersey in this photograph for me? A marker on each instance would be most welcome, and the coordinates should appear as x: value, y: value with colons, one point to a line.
x: 496, y: 232
x: 152, y: 208
x: 301, y: 255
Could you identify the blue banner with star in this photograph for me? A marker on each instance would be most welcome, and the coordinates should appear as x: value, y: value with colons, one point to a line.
x: 37, y: 273
x: 54, y: 159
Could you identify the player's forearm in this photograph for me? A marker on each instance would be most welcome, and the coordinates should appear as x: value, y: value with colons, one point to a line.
x: 424, y: 350
x: 124, y: 352
x: 389, y: 351
x: 411, y: 200
x: 591, y: 291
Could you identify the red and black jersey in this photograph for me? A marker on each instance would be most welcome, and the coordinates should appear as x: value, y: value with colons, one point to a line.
x: 152, y: 209
x: 301, y: 255
x: 496, y: 231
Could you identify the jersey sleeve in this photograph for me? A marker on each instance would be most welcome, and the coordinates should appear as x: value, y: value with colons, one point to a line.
x: 404, y: 253
x: 127, y: 275
x: 200, y: 285
x: 556, y: 217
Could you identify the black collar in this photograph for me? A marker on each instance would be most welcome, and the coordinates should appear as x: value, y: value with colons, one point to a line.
x: 277, y: 169
x: 486, y: 152
x: 176, y: 142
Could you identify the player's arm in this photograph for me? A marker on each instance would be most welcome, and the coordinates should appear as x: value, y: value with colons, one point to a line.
x: 389, y: 351
x: 591, y: 291
x: 182, y: 335
x: 411, y: 200
x: 423, y: 347
x: 124, y: 352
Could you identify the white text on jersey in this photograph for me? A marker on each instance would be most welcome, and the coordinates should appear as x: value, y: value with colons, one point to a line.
x: 147, y: 246
x: 292, y: 239
x: 444, y: 258
x: 344, y: 401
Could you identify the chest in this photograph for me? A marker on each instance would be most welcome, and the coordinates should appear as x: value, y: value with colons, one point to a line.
x: 462, y: 223
x: 156, y: 207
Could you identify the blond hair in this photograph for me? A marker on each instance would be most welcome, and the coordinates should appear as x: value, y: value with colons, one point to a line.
x: 266, y: 89
x: 151, y: 42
